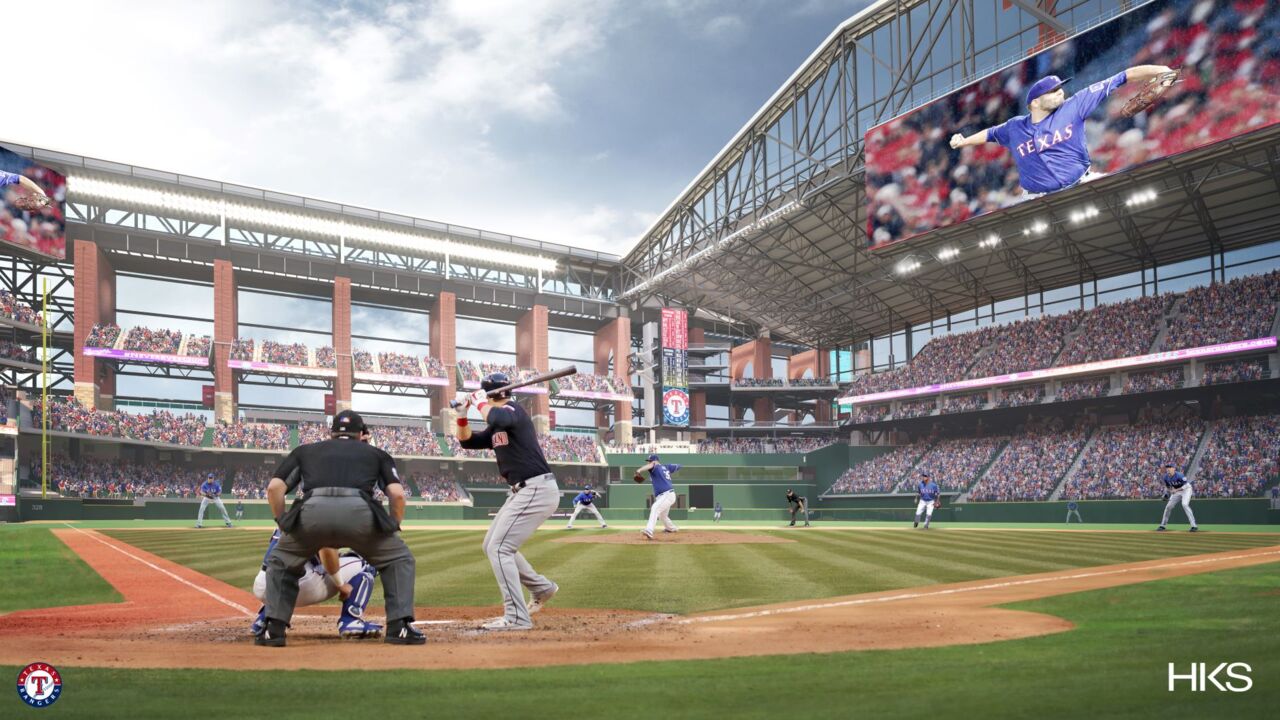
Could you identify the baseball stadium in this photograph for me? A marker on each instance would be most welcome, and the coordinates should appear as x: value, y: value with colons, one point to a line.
x: 948, y: 388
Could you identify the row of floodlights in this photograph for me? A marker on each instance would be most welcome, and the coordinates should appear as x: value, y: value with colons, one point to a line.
x: 1036, y: 227
x: 86, y: 188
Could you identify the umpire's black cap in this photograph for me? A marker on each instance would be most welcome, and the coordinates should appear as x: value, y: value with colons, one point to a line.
x: 348, y: 422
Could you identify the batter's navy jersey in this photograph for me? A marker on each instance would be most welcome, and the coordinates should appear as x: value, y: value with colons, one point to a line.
x: 1174, y: 481
x: 514, y: 442
x: 928, y: 491
x: 661, y: 477
x: 1052, y: 154
x: 584, y: 498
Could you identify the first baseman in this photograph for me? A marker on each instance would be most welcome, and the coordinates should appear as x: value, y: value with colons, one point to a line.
x: 1048, y: 143
x: 211, y: 491
x: 586, y: 500
x: 1177, y: 490
x: 327, y: 574
x: 928, y: 494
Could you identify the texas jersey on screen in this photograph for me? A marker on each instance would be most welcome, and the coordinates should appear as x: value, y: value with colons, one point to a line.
x: 675, y: 407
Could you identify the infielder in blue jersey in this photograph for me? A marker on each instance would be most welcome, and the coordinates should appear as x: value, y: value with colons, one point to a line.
x: 1177, y: 489
x: 585, y: 500
x: 1048, y: 143
x: 664, y: 495
x: 326, y: 575
x: 928, y: 493
x: 211, y: 491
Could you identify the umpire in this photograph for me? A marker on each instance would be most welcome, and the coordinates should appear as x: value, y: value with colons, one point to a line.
x: 336, y: 509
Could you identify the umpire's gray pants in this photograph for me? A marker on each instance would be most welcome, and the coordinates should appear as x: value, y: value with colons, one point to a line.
x: 516, y: 522
x: 1181, y: 495
x: 339, y: 522
x: 204, y: 503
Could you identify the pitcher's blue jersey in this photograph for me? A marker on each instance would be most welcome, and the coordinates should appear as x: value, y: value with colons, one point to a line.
x: 8, y: 178
x: 1174, y: 481
x: 928, y: 491
x: 661, y: 477
x: 1052, y: 154
x: 584, y: 498
x: 210, y: 487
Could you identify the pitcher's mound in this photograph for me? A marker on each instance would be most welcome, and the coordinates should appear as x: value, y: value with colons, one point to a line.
x: 684, y: 537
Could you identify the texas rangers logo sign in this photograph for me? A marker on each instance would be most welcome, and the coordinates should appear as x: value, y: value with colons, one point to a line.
x: 675, y: 407
x: 39, y: 684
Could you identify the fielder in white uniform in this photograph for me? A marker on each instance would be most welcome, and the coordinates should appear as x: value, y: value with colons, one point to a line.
x: 327, y: 575
x: 664, y: 495
x: 586, y: 500
x: 1177, y: 490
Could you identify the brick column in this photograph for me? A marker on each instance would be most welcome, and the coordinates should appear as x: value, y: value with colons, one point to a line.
x: 819, y: 361
x: 95, y: 302
x: 613, y: 340
x: 226, y: 393
x: 758, y: 354
x: 444, y: 347
x: 342, y: 343
x: 531, y: 352
x: 697, y: 398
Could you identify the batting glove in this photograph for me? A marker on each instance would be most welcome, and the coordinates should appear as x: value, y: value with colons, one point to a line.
x: 478, y: 398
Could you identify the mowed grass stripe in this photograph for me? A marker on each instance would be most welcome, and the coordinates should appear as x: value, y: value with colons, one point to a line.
x: 858, y: 573
x: 942, y: 565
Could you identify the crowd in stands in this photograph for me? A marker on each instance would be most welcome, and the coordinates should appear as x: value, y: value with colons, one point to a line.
x: 880, y: 474
x: 311, y: 432
x: 1124, y: 460
x: 14, y: 351
x: 1235, y: 371
x: 963, y: 403
x: 1032, y: 464
x: 556, y: 448
x: 916, y: 408
x: 250, y: 483
x: 1241, y: 457
x: 362, y: 360
x: 1241, y: 309
x: 870, y: 413
x: 1117, y: 330
x: 294, y: 354
x: 954, y: 464
x: 160, y: 426
x: 742, y: 446
x: 148, y: 340
x: 1082, y: 389
x: 810, y: 382
x: 758, y: 382
x: 1164, y: 379
x: 1018, y: 397
x: 14, y: 309
x: 941, y: 359
x: 1025, y: 345
x: 402, y: 440
x: 106, y: 478
x: 434, y: 487
x: 474, y: 372
x: 246, y: 435
x: 458, y: 451
x: 242, y: 349
x: 434, y: 366
x: 326, y: 357
x: 198, y: 346
x: 103, y: 335
x: 394, y: 363
x: 586, y: 382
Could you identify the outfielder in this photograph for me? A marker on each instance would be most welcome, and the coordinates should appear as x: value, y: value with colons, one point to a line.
x: 210, y: 491
x: 664, y: 495
x: 797, y: 505
x: 927, y: 493
x: 1048, y: 143
x: 1073, y: 508
x: 327, y: 574
x: 239, y: 508
x: 533, y: 498
x: 719, y: 510
x: 586, y: 500
x: 1177, y: 490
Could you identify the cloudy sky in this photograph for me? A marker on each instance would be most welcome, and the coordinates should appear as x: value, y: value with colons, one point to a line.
x: 569, y: 121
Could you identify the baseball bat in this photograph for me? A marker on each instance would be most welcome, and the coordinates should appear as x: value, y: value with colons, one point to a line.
x: 544, y: 377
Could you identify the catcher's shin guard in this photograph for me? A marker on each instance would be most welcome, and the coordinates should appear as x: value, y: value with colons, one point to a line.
x: 361, y: 590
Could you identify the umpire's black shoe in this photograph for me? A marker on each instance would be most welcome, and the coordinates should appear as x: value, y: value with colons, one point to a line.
x: 1195, y: 529
x: 1160, y: 529
x: 400, y: 632
x: 272, y: 635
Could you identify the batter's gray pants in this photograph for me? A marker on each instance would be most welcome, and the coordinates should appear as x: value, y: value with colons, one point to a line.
x: 516, y: 522
x: 1181, y: 495
x: 339, y: 522
x: 204, y: 503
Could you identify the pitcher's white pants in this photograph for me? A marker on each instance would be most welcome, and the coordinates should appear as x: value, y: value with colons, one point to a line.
x: 661, y: 506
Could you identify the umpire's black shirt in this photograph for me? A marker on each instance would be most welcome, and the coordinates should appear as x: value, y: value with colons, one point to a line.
x: 511, y: 436
x: 793, y: 498
x: 345, y: 462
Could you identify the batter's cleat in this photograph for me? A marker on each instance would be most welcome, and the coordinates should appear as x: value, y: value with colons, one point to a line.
x: 915, y: 524
x: 503, y: 623
x: 402, y: 632
x: 647, y: 534
x: 272, y: 635
x: 540, y: 601
x: 1195, y: 529
x: 793, y: 524
x: 669, y: 530
x: 603, y: 527
x: 228, y: 524
x: 1160, y: 529
x: 260, y: 622
x: 199, y: 526
x: 355, y: 628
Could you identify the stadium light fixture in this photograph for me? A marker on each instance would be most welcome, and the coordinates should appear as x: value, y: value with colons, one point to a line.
x: 908, y: 266
x: 1036, y: 228
x: 311, y: 225
x: 989, y: 241
x: 1084, y: 214
x: 949, y: 253
x: 1141, y: 197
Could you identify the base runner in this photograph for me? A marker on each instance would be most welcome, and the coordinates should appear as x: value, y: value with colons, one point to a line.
x: 327, y: 574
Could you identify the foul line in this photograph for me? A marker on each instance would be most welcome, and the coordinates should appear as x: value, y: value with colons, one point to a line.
x: 153, y: 566
x: 953, y: 591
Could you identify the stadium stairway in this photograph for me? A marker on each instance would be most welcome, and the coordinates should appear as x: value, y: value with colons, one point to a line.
x: 1193, y: 469
x: 1074, y: 467
x: 964, y: 494
x: 1166, y: 318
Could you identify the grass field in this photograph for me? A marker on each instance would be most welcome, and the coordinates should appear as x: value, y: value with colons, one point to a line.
x: 1113, y: 664
x: 39, y: 571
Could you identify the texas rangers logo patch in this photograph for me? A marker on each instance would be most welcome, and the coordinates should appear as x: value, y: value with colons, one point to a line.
x: 500, y: 439
x: 39, y: 685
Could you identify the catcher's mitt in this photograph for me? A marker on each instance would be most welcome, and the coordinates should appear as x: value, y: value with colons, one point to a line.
x: 32, y: 202
x: 638, y: 477
x: 1150, y: 93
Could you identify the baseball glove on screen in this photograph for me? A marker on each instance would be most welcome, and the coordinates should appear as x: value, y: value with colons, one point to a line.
x: 638, y: 477
x: 1150, y: 93
x: 31, y: 202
